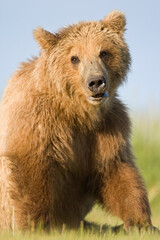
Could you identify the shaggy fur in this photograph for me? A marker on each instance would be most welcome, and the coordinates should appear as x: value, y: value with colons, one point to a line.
x: 60, y: 151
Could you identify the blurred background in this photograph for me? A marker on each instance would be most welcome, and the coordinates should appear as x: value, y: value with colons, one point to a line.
x: 141, y: 92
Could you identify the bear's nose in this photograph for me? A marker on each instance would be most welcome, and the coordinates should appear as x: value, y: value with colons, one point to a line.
x: 96, y: 83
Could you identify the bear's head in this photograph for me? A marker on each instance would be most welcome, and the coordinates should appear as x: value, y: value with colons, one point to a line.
x: 88, y: 60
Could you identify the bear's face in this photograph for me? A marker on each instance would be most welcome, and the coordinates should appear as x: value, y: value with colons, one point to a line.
x: 89, y: 59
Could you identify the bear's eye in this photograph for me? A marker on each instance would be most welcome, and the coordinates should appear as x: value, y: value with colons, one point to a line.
x: 104, y: 54
x: 75, y: 59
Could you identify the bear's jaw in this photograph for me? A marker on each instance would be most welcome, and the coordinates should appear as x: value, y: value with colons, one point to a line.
x: 98, y: 98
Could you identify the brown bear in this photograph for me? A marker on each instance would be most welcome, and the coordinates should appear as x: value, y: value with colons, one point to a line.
x: 65, y: 135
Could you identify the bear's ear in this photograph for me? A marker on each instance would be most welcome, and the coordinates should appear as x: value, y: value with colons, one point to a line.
x: 116, y: 21
x: 45, y: 39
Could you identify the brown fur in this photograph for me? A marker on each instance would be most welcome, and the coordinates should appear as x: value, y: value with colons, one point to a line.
x: 60, y: 152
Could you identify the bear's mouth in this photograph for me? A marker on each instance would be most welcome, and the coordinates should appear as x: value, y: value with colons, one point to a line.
x: 99, y: 96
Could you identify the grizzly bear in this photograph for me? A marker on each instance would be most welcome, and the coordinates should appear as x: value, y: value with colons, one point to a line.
x: 65, y: 135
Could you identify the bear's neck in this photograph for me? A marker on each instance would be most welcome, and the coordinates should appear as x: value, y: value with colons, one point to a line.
x: 78, y: 112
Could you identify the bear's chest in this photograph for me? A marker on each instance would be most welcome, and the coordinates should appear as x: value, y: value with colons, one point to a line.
x: 74, y: 150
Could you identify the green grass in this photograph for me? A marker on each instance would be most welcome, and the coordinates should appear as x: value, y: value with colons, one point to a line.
x: 146, y: 144
x: 73, y: 235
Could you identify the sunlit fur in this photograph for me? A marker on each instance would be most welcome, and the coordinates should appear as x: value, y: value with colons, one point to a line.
x: 61, y: 153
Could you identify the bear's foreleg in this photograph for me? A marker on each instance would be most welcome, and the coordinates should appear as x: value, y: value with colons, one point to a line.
x: 124, y: 195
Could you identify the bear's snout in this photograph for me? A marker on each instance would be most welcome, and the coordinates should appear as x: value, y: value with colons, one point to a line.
x: 96, y: 84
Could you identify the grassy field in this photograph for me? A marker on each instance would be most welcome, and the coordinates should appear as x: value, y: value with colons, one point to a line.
x: 146, y: 143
